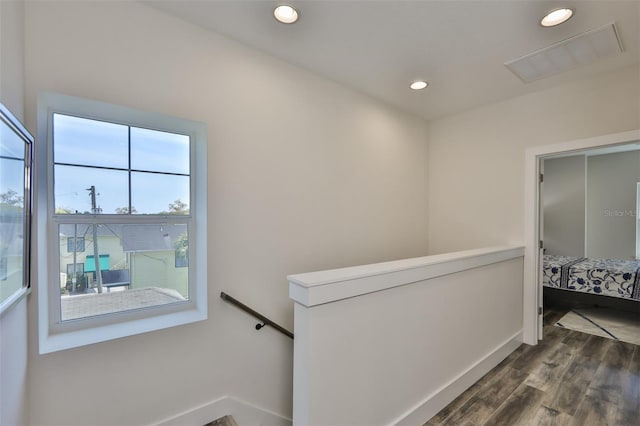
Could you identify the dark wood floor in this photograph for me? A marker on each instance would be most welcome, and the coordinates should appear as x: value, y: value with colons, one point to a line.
x: 569, y: 378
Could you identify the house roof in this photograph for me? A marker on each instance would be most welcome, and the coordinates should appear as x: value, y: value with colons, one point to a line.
x: 151, y: 237
x: 133, y: 238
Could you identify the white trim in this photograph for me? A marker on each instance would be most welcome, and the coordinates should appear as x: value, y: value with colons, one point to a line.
x: 435, y: 402
x: 585, y: 247
x: 15, y: 125
x: 531, y: 211
x: 315, y: 288
x: 243, y: 412
x: 13, y: 300
x: 53, y: 335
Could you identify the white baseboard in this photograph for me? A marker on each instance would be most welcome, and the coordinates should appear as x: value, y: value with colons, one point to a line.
x: 435, y: 402
x: 244, y: 413
x: 247, y: 414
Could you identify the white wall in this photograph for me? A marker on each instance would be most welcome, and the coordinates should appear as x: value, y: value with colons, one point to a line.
x: 394, y: 343
x: 14, y: 385
x: 611, y: 205
x: 303, y: 175
x: 13, y: 323
x: 476, y: 158
x: 564, y: 205
x: 12, y: 57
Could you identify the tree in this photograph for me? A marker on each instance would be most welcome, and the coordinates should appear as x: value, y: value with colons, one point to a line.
x: 178, y: 207
x: 11, y: 202
x: 182, y: 250
x: 125, y: 210
x: 11, y: 198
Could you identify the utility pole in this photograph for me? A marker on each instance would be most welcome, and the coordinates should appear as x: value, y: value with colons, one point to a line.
x: 96, y: 255
x: 75, y: 257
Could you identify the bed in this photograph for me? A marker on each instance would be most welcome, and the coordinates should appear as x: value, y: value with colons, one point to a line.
x: 608, y: 277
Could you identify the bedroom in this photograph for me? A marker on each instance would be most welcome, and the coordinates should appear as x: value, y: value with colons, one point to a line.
x: 591, y: 242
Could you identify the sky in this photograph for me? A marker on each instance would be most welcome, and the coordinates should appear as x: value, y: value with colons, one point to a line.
x: 156, y: 161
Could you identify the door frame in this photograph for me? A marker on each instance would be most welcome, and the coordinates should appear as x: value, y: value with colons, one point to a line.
x: 532, y: 290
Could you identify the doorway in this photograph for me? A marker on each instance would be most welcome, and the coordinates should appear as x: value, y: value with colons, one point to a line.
x: 533, y: 300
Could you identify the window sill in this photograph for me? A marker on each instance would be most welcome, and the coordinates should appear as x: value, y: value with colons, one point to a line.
x: 13, y: 300
x: 52, y: 341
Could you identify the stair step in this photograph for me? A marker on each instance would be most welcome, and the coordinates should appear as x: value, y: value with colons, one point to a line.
x: 223, y: 421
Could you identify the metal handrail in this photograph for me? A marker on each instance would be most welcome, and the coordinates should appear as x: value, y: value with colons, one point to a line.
x: 265, y: 321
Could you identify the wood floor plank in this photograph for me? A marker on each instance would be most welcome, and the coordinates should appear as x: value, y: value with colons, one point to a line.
x: 453, y: 406
x: 512, y: 356
x: 496, y: 392
x: 571, y: 386
x: 495, y: 375
x: 473, y: 412
x: 531, y: 357
x: 620, y: 354
x: 628, y: 417
x: 546, y: 375
x: 629, y: 405
x: 518, y: 408
x: 567, y: 379
x: 575, y: 340
x: 595, y: 409
x: 596, y: 347
x: 223, y: 421
x: 610, y: 376
x: 551, y: 317
x: 546, y: 416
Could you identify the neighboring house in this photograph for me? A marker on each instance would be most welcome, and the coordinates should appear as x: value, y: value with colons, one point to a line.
x: 153, y: 255
x: 157, y: 256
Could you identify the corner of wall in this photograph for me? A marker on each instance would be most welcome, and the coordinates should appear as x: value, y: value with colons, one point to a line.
x: 12, y: 56
x: 14, y: 389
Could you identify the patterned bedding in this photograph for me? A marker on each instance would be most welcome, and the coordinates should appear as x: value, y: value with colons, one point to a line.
x: 617, y: 278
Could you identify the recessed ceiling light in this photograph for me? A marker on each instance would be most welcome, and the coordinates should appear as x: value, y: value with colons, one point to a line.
x: 418, y: 85
x: 285, y: 14
x: 556, y: 17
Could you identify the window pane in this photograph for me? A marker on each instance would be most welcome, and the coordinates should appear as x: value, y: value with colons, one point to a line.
x: 157, y: 151
x: 75, y: 268
x: 137, y: 265
x: 12, y: 145
x: 71, y: 187
x: 12, y: 219
x: 90, y: 142
x: 12, y: 183
x: 12, y: 226
x: 75, y: 244
x: 153, y: 193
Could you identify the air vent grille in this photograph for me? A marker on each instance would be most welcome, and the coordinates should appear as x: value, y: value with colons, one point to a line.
x: 571, y: 53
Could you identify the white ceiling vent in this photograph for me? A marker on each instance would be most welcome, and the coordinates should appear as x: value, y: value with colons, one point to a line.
x: 571, y: 53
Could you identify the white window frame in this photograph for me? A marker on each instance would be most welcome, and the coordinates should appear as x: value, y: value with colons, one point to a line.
x: 637, y: 216
x: 56, y: 335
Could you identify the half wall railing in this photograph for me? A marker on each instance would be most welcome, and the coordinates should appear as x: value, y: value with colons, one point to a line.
x: 395, y: 342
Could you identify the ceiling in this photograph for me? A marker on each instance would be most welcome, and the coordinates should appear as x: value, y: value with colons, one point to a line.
x: 379, y: 47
